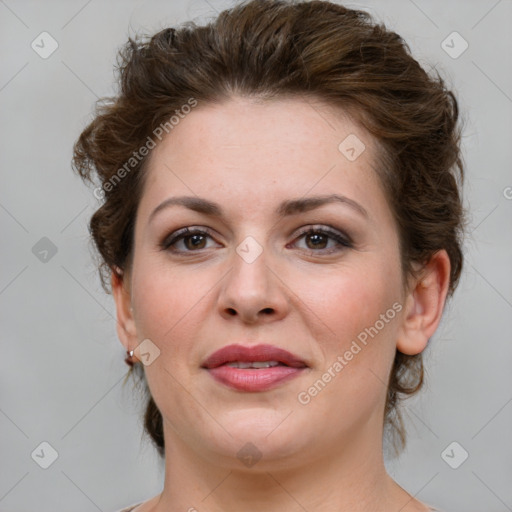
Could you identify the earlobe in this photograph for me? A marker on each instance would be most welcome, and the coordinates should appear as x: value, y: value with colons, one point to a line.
x: 424, y: 305
x: 125, y: 326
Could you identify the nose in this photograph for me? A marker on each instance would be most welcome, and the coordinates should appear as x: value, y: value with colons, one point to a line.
x: 252, y: 291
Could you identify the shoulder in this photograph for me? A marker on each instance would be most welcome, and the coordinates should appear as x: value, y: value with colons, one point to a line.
x: 130, y: 508
x: 142, y: 506
x: 426, y: 507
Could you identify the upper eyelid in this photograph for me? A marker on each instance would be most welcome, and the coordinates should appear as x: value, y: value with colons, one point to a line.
x: 298, y: 231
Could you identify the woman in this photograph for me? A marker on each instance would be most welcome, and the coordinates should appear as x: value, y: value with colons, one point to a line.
x: 280, y: 226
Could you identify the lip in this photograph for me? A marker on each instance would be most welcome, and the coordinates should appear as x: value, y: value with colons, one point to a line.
x: 251, y: 379
x: 243, y: 353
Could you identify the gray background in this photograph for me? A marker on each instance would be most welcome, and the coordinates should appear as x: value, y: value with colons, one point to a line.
x: 61, y: 362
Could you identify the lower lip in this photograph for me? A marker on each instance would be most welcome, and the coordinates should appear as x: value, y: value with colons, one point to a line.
x: 260, y: 379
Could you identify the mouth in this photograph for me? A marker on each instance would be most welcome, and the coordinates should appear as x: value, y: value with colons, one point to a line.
x: 256, y: 368
x: 255, y: 357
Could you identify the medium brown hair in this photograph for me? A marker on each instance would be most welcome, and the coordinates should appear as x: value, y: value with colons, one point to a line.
x: 272, y: 49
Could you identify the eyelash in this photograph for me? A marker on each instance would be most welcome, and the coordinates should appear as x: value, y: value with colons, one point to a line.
x: 343, y: 242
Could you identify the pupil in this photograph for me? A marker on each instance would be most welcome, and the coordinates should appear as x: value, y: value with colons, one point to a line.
x: 317, y: 237
x: 196, y: 238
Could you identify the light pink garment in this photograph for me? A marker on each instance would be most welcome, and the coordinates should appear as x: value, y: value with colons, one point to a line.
x: 131, y: 507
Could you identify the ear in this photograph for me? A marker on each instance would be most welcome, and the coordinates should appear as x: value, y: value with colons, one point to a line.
x: 424, y: 305
x: 122, y: 297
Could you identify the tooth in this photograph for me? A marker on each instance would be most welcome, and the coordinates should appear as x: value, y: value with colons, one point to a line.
x: 264, y: 364
x: 255, y: 364
x: 240, y: 364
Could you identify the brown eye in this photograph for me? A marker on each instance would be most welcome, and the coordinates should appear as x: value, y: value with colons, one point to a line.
x: 317, y: 240
x: 194, y: 241
x: 190, y: 239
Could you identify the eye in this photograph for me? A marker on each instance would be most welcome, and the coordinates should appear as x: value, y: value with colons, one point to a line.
x: 317, y: 239
x: 191, y: 238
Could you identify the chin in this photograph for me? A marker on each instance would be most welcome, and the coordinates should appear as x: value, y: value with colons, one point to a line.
x: 261, y: 433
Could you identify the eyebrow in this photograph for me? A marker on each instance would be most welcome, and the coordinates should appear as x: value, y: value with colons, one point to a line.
x: 286, y: 208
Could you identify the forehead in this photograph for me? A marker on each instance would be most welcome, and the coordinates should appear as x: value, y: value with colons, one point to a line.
x: 252, y: 123
x: 257, y: 150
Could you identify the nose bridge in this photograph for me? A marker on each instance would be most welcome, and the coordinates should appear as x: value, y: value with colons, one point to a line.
x: 251, y: 288
x: 249, y: 275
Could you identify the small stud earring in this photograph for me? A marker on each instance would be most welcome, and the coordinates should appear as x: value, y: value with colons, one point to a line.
x: 128, y: 359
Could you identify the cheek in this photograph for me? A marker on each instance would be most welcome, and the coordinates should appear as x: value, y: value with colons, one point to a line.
x: 170, y: 306
x: 351, y: 299
x: 351, y: 382
x: 164, y: 300
x: 173, y: 305
x: 360, y: 323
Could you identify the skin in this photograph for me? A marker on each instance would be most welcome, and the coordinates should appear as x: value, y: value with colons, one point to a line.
x: 248, y: 156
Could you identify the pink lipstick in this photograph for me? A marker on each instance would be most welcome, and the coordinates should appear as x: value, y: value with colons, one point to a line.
x: 255, y: 368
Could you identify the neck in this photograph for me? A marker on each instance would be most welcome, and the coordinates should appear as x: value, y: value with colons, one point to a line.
x: 351, y: 477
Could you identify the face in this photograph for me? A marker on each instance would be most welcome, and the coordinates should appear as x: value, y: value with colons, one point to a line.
x: 322, y: 282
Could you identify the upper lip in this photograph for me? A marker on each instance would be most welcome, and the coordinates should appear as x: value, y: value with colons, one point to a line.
x: 243, y: 353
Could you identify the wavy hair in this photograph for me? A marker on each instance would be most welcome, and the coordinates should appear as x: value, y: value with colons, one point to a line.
x: 272, y: 49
